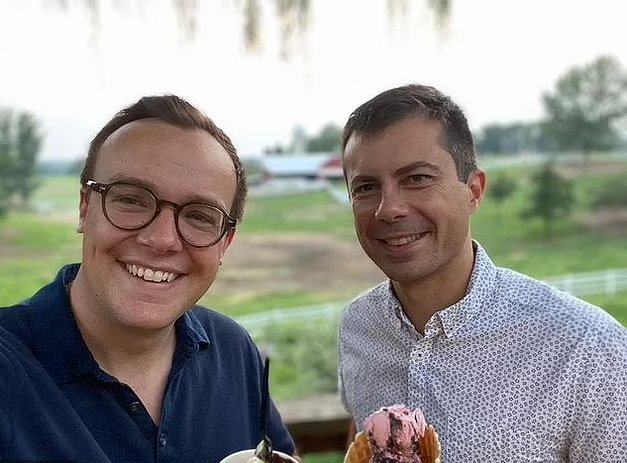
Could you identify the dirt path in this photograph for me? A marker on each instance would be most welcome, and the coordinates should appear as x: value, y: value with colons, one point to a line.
x: 295, y: 262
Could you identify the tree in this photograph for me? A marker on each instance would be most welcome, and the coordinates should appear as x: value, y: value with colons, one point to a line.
x: 328, y: 139
x: 294, y: 17
x: 27, y: 146
x: 500, y: 188
x: 20, y: 142
x: 551, y: 197
x: 6, y: 165
x: 586, y: 105
x: 512, y: 138
x: 611, y: 195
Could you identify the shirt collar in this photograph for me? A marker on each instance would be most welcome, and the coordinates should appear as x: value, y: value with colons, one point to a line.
x: 59, y: 345
x: 455, y: 318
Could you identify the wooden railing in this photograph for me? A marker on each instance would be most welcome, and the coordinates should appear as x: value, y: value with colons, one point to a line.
x: 317, y: 424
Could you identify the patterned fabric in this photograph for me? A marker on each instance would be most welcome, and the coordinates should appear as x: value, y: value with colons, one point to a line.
x: 516, y: 371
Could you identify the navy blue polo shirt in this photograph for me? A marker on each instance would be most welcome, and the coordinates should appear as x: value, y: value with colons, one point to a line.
x: 56, y: 404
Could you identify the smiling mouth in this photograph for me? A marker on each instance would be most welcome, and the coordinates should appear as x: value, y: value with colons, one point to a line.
x: 403, y: 240
x: 149, y: 274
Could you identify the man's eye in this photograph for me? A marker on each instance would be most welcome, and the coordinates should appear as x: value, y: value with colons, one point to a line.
x: 128, y: 200
x: 364, y: 189
x: 417, y: 178
x: 199, y: 217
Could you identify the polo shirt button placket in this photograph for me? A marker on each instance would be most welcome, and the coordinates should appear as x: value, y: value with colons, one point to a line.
x: 134, y: 407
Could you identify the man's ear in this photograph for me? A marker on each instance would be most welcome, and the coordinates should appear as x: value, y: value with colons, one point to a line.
x: 477, y: 183
x: 228, y: 239
x: 82, y: 209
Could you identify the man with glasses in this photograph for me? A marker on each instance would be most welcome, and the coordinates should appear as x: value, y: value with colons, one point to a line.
x: 113, y: 361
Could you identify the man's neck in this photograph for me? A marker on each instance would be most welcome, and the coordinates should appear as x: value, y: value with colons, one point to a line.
x: 112, y: 342
x: 421, y: 299
x: 142, y: 359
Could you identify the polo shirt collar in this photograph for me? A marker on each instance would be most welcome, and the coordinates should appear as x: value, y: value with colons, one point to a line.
x: 57, y: 341
x: 59, y: 344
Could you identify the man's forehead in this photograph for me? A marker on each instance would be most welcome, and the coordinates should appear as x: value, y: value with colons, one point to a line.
x: 408, y: 145
x: 133, y: 128
x: 421, y: 126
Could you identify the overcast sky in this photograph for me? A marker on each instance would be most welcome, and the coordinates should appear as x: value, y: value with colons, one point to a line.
x: 495, y: 58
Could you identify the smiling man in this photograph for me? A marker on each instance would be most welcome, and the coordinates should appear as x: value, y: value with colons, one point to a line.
x: 113, y: 361
x: 505, y: 367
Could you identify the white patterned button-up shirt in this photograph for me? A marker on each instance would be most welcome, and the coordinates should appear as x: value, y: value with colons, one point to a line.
x: 516, y: 371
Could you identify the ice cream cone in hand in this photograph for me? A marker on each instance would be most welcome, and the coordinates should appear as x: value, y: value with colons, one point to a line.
x: 395, y: 434
x: 359, y: 450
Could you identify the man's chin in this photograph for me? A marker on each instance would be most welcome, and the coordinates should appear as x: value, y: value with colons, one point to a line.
x: 149, y: 315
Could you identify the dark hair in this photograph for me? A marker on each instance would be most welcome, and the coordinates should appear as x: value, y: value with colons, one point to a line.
x: 397, y: 104
x: 178, y: 112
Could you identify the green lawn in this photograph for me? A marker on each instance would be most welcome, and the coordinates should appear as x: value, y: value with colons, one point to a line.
x: 31, y: 252
x: 32, y: 248
x: 297, y: 213
x: 59, y: 194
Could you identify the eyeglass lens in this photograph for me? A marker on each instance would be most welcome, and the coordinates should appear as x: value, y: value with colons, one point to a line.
x: 132, y: 207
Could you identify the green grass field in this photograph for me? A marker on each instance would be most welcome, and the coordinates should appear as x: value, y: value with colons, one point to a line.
x: 33, y: 247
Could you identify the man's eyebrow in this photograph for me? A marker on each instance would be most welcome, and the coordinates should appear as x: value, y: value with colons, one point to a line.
x: 400, y: 171
x: 418, y: 165
x: 152, y: 187
x: 133, y: 180
x: 362, y: 178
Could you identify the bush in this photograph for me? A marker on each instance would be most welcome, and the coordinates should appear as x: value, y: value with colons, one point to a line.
x: 304, y: 357
x: 612, y: 194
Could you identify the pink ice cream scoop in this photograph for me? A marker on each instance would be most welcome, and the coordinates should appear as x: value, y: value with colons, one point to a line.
x: 394, y: 434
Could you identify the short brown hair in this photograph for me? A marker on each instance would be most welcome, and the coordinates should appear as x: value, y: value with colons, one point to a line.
x: 397, y: 104
x: 178, y: 112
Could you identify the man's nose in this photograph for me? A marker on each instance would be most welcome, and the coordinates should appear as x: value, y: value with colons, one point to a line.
x: 392, y: 206
x: 161, y: 234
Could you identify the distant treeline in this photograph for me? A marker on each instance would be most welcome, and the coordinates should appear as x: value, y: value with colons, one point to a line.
x: 59, y: 167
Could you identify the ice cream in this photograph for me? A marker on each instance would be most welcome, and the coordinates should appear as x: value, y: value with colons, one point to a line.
x: 246, y: 456
x: 395, y: 434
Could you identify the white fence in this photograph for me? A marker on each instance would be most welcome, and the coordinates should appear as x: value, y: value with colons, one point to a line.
x: 610, y: 282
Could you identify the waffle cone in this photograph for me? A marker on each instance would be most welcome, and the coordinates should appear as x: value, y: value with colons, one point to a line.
x: 430, y: 446
x: 359, y: 450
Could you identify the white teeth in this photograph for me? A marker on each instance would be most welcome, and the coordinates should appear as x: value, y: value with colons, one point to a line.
x: 150, y: 274
x: 402, y: 240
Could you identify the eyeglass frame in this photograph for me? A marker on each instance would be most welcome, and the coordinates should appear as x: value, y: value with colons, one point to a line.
x: 103, y: 189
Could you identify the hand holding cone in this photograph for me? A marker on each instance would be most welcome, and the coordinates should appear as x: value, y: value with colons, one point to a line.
x: 395, y: 433
x: 359, y: 451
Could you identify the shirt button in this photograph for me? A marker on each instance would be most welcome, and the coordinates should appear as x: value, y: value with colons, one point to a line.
x: 163, y: 440
x: 134, y: 407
